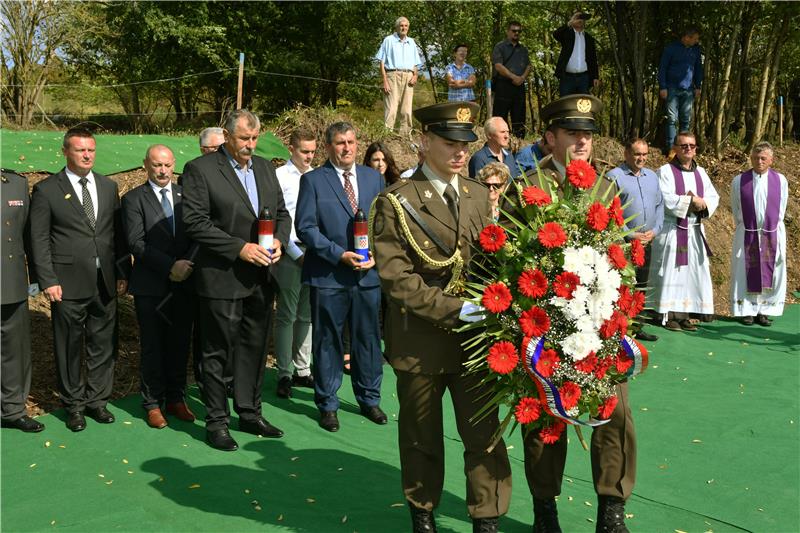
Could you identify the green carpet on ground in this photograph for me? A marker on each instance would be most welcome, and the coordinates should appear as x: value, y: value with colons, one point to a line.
x: 40, y: 151
x: 717, y: 432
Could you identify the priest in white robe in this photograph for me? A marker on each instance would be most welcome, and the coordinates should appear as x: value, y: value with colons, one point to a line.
x: 680, y: 273
x: 758, y: 261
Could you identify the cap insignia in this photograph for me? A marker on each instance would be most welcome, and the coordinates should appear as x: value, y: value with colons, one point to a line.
x: 463, y: 114
x: 584, y: 105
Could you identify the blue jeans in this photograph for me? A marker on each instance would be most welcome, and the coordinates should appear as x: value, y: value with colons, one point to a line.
x: 679, y: 109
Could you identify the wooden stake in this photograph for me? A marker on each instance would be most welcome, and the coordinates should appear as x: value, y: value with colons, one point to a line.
x: 241, y: 80
x: 780, y: 120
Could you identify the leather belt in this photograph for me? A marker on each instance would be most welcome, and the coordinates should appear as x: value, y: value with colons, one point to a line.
x: 399, y: 70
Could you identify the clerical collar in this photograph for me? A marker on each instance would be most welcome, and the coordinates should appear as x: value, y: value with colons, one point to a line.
x: 676, y: 163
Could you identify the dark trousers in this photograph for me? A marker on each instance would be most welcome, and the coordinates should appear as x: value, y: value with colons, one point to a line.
x: 90, y: 321
x: 570, y: 83
x: 15, y: 372
x: 234, y: 330
x: 510, y: 98
x: 331, y: 308
x: 165, y: 329
x: 613, y: 452
x: 421, y: 439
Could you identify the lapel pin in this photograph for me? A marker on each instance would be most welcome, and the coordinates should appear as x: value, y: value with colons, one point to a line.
x: 465, y: 189
x: 68, y: 196
x: 428, y: 194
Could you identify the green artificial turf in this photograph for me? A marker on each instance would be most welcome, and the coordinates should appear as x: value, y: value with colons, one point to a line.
x: 718, y: 447
x: 40, y: 151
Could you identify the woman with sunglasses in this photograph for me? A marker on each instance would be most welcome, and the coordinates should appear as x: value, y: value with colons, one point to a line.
x: 496, y: 177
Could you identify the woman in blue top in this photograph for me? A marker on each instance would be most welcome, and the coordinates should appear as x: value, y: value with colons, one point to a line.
x: 460, y: 76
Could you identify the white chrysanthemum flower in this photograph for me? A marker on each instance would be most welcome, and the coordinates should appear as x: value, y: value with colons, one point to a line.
x: 571, y: 259
x: 578, y: 345
x: 559, y: 302
x: 585, y: 324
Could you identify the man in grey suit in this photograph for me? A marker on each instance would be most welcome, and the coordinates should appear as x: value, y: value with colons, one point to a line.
x: 16, y: 326
x: 82, y: 264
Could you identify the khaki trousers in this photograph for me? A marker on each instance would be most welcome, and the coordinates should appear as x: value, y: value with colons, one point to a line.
x: 422, y: 443
x: 613, y: 452
x: 399, y: 99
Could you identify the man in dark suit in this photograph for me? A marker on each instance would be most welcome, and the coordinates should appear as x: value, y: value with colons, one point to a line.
x: 16, y: 327
x: 153, y: 221
x: 223, y: 194
x: 576, y: 68
x: 422, y: 260
x: 82, y: 265
x: 344, y: 286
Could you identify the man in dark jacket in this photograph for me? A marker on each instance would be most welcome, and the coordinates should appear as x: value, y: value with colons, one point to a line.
x: 576, y: 68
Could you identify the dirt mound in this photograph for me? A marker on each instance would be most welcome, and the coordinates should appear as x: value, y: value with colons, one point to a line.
x: 719, y: 230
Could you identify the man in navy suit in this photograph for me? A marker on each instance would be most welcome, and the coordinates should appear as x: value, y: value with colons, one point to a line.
x: 223, y: 194
x: 153, y: 222
x: 344, y: 285
x: 82, y: 264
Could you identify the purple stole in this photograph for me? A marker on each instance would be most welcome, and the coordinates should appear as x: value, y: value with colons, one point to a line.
x: 759, y: 259
x: 682, y: 255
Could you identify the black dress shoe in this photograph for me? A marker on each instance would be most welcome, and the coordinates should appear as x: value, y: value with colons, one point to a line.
x: 644, y: 336
x: 374, y: 414
x: 545, y: 516
x: 303, y: 381
x: 610, y: 515
x: 221, y: 440
x: 100, y: 414
x: 261, y: 427
x: 24, y: 423
x: 748, y: 321
x: 284, y: 389
x: 421, y: 520
x: 329, y: 421
x: 762, y: 320
x: 76, y: 422
x: 484, y: 525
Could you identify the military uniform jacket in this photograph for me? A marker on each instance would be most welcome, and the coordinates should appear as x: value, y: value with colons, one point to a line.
x: 420, y: 315
x: 606, y: 191
x: 16, y: 238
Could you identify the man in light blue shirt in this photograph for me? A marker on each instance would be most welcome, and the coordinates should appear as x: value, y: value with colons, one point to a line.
x: 641, y: 195
x: 399, y: 59
x: 495, y: 150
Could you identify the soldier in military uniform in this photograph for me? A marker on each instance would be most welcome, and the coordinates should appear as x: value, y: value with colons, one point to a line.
x: 571, y: 122
x: 16, y: 327
x: 422, y: 233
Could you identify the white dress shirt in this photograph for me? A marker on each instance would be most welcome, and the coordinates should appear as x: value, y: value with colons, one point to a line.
x: 577, y: 61
x: 157, y: 191
x: 289, y: 178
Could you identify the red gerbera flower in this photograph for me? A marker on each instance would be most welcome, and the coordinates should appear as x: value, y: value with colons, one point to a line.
x: 637, y: 305
x: 532, y: 283
x: 617, y: 257
x: 565, y: 284
x: 551, y: 434
x: 597, y: 217
x: 547, y: 363
x: 570, y: 393
x: 492, y: 238
x: 496, y: 297
x: 552, y: 235
x: 587, y: 364
x: 581, y: 174
x: 637, y: 252
x: 616, y: 324
x: 602, y: 367
x: 527, y: 410
x: 615, y: 211
x: 535, y: 196
x: 502, y: 357
x: 623, y: 362
x: 625, y: 299
x: 605, y: 410
x: 534, y: 322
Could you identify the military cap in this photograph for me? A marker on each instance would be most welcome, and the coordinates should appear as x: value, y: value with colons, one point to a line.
x: 574, y: 112
x: 451, y: 120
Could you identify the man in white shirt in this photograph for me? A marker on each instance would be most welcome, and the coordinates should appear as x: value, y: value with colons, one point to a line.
x: 758, y: 261
x: 576, y: 68
x: 293, y: 312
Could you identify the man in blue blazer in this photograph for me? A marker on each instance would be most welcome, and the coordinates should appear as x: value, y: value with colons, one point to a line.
x: 344, y: 286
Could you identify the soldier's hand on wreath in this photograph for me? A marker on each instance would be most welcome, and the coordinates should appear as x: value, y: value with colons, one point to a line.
x: 472, y: 312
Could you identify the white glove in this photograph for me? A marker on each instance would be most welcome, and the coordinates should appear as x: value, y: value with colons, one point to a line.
x: 471, y: 312
x: 33, y: 289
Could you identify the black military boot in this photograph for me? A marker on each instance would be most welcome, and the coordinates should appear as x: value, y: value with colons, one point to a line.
x: 484, y: 525
x: 545, y: 516
x: 610, y: 515
x: 421, y: 520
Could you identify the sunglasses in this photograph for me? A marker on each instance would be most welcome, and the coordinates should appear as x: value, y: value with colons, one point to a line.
x: 494, y: 186
x: 516, y: 31
x: 688, y: 146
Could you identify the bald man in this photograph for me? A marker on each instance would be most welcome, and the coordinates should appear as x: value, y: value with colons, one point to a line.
x: 153, y: 222
x: 495, y: 150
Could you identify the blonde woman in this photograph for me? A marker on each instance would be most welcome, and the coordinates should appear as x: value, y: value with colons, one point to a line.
x: 496, y: 177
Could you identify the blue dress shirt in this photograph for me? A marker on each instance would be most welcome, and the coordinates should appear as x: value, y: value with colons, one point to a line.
x: 398, y: 55
x: 484, y: 156
x: 643, y: 196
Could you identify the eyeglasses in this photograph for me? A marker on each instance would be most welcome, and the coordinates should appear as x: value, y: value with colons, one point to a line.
x: 516, y: 31
x: 688, y: 146
x: 494, y: 186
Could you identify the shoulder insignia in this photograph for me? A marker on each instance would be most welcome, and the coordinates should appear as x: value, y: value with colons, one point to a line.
x: 428, y: 194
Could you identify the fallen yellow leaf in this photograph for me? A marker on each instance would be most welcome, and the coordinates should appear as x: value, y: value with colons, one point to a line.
x: 588, y: 504
x: 61, y: 446
x: 311, y: 500
x: 52, y: 522
x: 696, y: 441
x: 130, y: 471
x: 257, y: 507
x: 344, y: 519
x: 280, y: 518
x: 32, y: 465
x: 194, y: 486
x: 101, y: 475
x: 397, y: 505
x: 125, y: 461
x: 109, y: 482
x: 47, y: 444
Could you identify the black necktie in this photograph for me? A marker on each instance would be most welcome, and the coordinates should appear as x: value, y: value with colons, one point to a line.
x: 452, y: 201
x: 88, y: 206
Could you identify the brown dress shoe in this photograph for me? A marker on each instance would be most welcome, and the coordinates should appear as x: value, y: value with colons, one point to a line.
x: 155, y: 419
x: 180, y: 411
